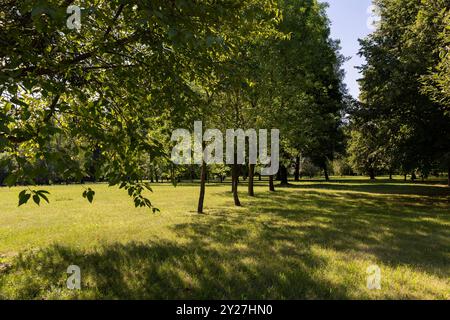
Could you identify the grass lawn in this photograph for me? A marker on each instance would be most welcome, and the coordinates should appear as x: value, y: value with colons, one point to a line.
x: 311, y: 240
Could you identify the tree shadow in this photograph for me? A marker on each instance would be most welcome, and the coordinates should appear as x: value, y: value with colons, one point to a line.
x: 395, y: 230
x: 380, y: 188
x: 267, y: 250
x: 163, y: 270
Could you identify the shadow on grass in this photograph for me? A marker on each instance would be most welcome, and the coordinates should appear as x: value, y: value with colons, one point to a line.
x: 379, y: 188
x: 401, y: 231
x: 163, y: 270
x: 265, y: 250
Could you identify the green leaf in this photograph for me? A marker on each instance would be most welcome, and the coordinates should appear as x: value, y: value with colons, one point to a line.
x: 36, y: 199
x: 90, y: 195
x: 19, y: 102
x: 43, y: 196
x: 148, y: 186
x: 23, y: 197
x: 10, y: 180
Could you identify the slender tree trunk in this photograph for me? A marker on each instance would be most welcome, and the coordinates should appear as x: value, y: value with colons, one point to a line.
x: 96, y: 154
x: 278, y: 175
x: 259, y: 177
x: 201, y: 198
x: 405, y: 177
x: 325, y: 171
x: 271, y: 185
x: 251, y: 174
x: 283, y: 175
x: 372, y: 174
x: 390, y: 176
x: 297, y: 169
x: 232, y: 178
x: 235, y: 185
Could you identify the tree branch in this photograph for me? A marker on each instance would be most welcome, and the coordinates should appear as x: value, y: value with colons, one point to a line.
x: 116, y: 16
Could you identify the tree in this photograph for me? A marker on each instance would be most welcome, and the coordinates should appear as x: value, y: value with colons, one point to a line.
x: 432, y: 23
x: 103, y: 85
x: 399, y: 54
x: 365, y: 156
x: 310, y: 94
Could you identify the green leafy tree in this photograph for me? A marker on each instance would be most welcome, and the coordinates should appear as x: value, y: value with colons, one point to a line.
x: 131, y: 61
x: 413, y: 129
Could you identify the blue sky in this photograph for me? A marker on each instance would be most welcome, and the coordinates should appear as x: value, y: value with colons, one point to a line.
x: 349, y: 23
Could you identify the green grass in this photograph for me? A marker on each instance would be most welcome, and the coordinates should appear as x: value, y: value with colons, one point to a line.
x: 311, y: 240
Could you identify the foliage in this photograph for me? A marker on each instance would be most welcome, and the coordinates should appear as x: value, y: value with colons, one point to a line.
x: 409, y: 130
x: 102, y: 88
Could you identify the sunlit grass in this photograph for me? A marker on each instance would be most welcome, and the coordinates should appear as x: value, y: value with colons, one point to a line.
x: 310, y: 240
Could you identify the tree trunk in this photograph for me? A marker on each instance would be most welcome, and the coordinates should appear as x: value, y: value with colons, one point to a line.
x: 96, y: 154
x: 405, y: 177
x: 390, y: 176
x: 232, y: 178
x: 271, y: 186
x: 201, y: 198
x: 325, y: 172
x: 297, y: 169
x: 372, y: 174
x: 235, y: 185
x: 278, y: 175
x: 259, y: 177
x: 283, y: 175
x: 251, y: 174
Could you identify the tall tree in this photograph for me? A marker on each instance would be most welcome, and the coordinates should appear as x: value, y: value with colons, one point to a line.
x: 399, y: 53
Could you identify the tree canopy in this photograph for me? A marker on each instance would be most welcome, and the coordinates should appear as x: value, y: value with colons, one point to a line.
x: 403, y: 89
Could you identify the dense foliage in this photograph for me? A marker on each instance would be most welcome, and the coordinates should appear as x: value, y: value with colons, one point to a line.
x: 403, y: 123
x: 100, y: 103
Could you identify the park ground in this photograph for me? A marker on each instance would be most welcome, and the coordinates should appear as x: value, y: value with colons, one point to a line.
x: 311, y: 240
